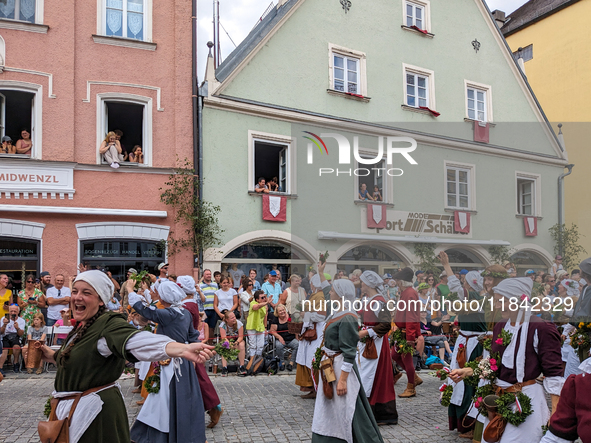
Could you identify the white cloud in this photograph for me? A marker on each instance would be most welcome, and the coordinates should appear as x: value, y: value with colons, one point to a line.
x: 239, y: 16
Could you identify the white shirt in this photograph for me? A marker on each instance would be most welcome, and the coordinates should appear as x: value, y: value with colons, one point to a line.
x: 54, y: 312
x: 225, y: 299
x: 236, y: 276
x: 10, y: 329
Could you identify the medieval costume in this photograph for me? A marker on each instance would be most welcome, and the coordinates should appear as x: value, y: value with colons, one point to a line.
x: 534, y: 348
x: 376, y: 370
x: 314, y: 314
x: 467, y: 348
x: 572, y: 418
x: 346, y: 417
x: 175, y: 413
x: 408, y: 320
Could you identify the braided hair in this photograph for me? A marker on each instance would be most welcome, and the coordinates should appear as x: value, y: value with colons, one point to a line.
x: 76, y: 335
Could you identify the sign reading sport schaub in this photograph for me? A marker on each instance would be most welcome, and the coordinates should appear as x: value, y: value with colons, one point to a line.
x: 417, y: 223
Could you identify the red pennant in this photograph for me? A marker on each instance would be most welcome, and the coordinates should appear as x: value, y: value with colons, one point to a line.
x: 376, y: 212
x: 458, y: 219
x: 481, y: 132
x: 531, y: 226
x: 416, y: 28
x: 433, y: 113
x: 274, y: 208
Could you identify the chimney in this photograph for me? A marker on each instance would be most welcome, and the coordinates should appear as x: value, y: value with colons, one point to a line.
x: 499, y: 17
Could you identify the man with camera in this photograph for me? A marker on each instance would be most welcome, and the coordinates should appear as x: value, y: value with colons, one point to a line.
x: 12, y: 329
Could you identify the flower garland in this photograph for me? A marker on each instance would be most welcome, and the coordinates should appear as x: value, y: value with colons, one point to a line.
x: 398, y: 340
x: 504, y: 338
x: 479, y: 395
x: 441, y: 374
x: 502, y: 275
x: 446, y: 393
x: 227, y: 350
x: 485, y: 341
x: 47, y: 407
x: 152, y: 384
x: 317, y: 358
x: 362, y: 328
x: 323, y: 257
x: 581, y: 340
x: 523, y: 409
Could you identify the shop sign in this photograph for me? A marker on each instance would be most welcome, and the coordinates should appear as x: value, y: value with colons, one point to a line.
x: 416, y: 224
x: 122, y: 250
x: 36, y: 181
x: 17, y: 249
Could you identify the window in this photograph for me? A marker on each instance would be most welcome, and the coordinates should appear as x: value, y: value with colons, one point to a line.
x: 126, y: 19
x: 22, y: 10
x: 478, y: 101
x: 526, y: 53
x: 528, y: 191
x: 476, y: 104
x: 415, y: 15
x: 346, y: 74
x: 271, y: 157
x: 17, y: 112
x: 419, y: 87
x: 372, y: 176
x: 347, y: 71
x: 460, y: 186
x: 130, y: 114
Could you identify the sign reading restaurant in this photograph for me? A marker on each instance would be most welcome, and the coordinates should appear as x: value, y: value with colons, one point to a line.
x: 37, y: 179
x: 416, y: 224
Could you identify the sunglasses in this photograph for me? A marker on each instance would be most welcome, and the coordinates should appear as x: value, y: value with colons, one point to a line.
x: 250, y: 284
x: 30, y: 281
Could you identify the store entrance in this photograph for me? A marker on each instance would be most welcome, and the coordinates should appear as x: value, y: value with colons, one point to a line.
x: 117, y: 256
x: 18, y: 257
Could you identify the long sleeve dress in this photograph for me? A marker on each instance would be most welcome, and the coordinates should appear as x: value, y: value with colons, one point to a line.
x: 472, y: 324
x: 348, y: 417
x: 376, y: 374
x: 98, y: 359
x: 175, y: 413
x: 542, y: 356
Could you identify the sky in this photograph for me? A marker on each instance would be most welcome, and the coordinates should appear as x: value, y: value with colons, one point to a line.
x: 238, y: 17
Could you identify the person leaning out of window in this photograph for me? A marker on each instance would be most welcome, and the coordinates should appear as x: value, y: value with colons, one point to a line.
x: 7, y: 146
x: 24, y: 144
x: 111, y: 150
x: 261, y: 186
x: 136, y: 156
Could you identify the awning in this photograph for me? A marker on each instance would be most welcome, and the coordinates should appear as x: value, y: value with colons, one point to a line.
x: 329, y: 235
x: 82, y: 211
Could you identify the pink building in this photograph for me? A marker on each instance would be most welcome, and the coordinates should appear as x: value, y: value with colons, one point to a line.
x: 70, y: 72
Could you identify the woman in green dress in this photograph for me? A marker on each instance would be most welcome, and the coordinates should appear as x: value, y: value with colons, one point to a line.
x: 347, y: 416
x: 30, y: 299
x: 93, y: 357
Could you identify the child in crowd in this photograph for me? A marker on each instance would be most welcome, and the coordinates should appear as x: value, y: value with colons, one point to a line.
x: 37, y: 332
x: 377, y: 195
x: 64, y: 321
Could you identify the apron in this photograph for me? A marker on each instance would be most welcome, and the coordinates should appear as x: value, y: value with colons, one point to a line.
x: 531, y: 428
x: 470, y: 344
x: 367, y: 368
x: 306, y: 349
x: 334, y: 418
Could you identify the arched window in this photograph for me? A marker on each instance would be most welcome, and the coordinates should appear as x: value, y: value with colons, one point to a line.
x: 525, y: 260
x: 464, y: 259
x: 369, y: 257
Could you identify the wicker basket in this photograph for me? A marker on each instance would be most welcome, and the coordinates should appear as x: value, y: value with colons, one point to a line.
x: 34, y: 354
x: 295, y: 328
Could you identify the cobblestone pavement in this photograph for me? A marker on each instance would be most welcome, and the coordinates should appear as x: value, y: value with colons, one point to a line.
x: 257, y: 409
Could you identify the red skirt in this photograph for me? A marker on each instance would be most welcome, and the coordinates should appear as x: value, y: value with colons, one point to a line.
x: 208, y: 392
x: 383, y: 398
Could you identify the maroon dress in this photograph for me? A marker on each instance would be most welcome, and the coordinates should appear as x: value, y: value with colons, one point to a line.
x: 572, y: 418
x: 383, y: 398
x: 208, y: 392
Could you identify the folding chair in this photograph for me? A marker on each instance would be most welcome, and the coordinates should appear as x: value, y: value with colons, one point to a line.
x: 55, y: 330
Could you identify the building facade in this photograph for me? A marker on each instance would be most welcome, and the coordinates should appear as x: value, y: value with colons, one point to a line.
x: 333, y: 99
x: 70, y: 73
x: 557, y: 59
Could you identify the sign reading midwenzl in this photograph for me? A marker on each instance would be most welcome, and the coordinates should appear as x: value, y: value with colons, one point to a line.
x: 417, y: 223
x: 37, y: 179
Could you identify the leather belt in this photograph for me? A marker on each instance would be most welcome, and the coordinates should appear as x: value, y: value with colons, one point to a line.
x: 517, y: 387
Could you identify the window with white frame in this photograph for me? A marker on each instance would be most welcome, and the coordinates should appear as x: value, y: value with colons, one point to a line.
x: 21, y: 10
x: 458, y: 183
x: 371, y: 181
x: 415, y: 15
x: 125, y: 18
x: 528, y: 194
x: 271, y: 162
x: 17, y: 121
x: 346, y: 74
x: 130, y: 118
x: 478, y: 101
x: 417, y: 90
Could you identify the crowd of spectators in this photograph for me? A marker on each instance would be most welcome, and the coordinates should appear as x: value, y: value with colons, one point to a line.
x: 113, y: 152
x: 23, y: 145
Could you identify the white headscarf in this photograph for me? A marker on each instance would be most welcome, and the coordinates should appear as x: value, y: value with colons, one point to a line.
x: 100, y: 283
x: 315, y: 281
x: 187, y: 284
x: 172, y: 294
x: 344, y: 289
x: 474, y: 279
x: 572, y: 287
x: 516, y: 288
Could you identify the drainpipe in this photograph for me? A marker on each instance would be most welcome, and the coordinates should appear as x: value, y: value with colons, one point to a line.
x: 560, y: 205
x: 196, y: 112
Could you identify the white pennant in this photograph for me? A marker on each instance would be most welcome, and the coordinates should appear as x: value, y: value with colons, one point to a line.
x: 377, y: 213
x: 274, y: 205
x: 530, y: 223
x: 463, y: 219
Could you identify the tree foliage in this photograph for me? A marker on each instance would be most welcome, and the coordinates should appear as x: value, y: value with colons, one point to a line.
x: 199, y: 218
x: 426, y: 254
x: 499, y: 254
x: 567, y: 244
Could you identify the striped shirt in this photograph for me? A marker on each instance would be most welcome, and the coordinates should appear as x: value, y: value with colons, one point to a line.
x: 209, y: 292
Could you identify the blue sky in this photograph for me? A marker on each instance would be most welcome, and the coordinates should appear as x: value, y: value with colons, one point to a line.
x: 238, y: 17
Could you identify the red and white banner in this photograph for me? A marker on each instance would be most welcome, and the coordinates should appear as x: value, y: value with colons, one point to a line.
x: 462, y: 222
x: 274, y: 208
x: 531, y: 226
x: 376, y: 216
x: 481, y: 132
